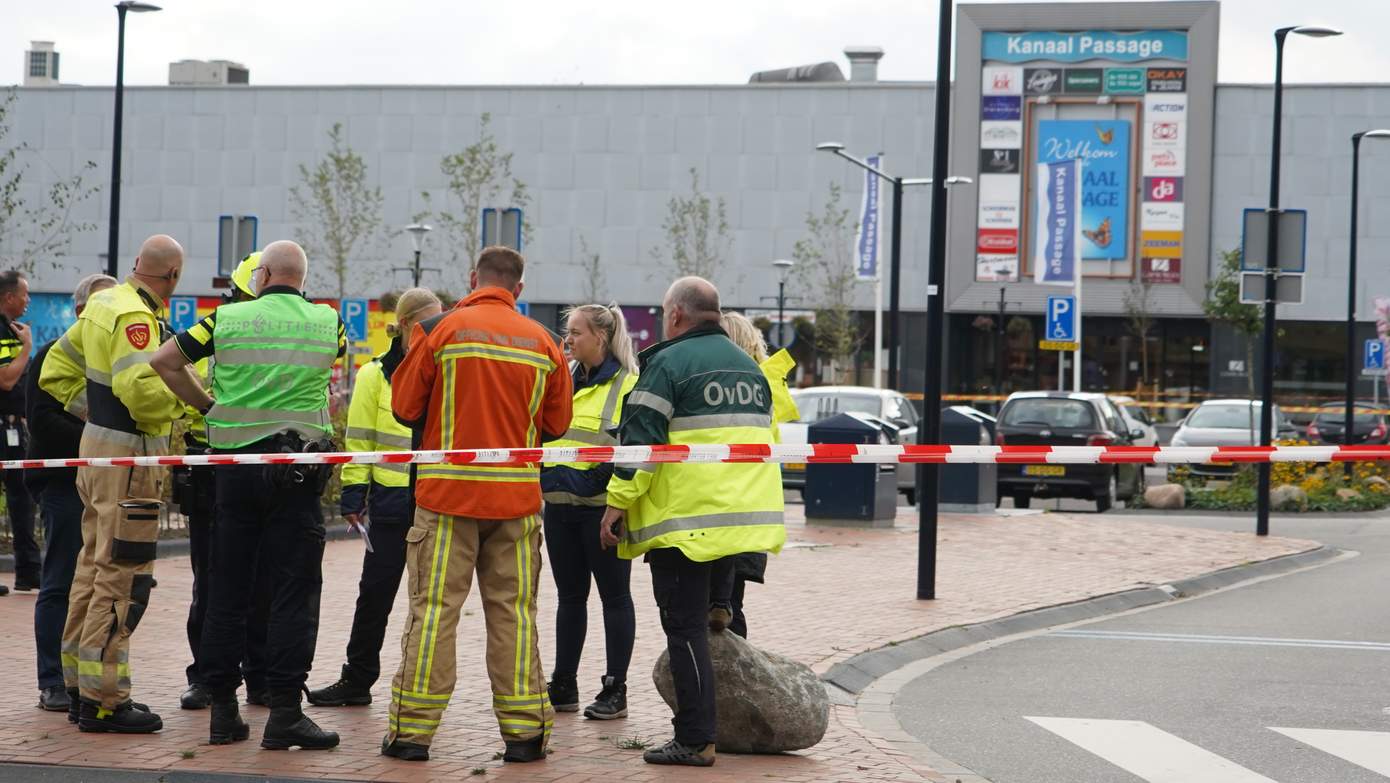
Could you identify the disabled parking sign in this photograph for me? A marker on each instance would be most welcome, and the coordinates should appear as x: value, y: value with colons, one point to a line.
x: 1059, y: 330
x: 354, y: 313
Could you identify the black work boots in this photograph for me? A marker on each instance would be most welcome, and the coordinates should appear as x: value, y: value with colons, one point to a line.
x: 289, y: 727
x: 227, y: 726
x: 125, y: 719
x: 563, y: 690
x: 346, y: 692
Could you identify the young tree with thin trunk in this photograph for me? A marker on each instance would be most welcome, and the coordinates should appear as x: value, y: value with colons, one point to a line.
x: 338, y: 215
x: 479, y: 176
x: 1223, y: 306
x: 1139, y: 317
x: 697, y: 233
x: 825, y: 266
x: 595, y: 281
x: 42, y: 230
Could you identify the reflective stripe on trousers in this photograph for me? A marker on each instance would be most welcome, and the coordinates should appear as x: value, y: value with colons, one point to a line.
x: 443, y: 554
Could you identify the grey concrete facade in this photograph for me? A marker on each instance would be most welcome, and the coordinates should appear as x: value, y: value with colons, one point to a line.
x: 603, y: 161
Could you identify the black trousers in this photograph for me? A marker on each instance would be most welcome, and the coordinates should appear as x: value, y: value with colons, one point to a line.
x: 62, y: 540
x: 27, y: 563
x: 726, y: 589
x: 681, y: 586
x: 376, y: 593
x: 278, y: 531
x: 572, y: 542
x: 196, y: 492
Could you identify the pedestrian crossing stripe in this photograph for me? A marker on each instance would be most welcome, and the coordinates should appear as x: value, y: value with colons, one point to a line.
x: 1157, y: 756
x: 1148, y: 752
x: 1368, y: 749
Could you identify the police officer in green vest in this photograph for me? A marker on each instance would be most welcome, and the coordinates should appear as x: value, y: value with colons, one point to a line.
x: 272, y: 361
x: 696, y: 388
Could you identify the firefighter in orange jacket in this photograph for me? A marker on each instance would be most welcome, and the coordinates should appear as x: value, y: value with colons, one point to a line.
x: 498, y: 380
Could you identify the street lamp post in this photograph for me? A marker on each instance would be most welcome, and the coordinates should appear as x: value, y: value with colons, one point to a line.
x: 784, y: 269
x: 1351, y: 280
x: 113, y: 234
x: 895, y: 243
x: 417, y: 237
x: 1272, y: 270
x: 895, y: 247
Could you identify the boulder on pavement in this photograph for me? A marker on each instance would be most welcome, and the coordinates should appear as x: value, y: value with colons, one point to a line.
x: 1166, y: 496
x: 1346, y: 493
x: 766, y: 703
x: 1287, y: 497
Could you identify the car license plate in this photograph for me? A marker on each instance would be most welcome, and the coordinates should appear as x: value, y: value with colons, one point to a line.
x: 801, y: 466
x: 1044, y: 470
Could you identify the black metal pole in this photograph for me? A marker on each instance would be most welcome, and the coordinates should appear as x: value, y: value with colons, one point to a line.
x: 1351, y: 296
x: 999, y: 348
x: 929, y: 475
x: 781, y: 311
x: 1271, y: 278
x: 895, y: 272
x: 113, y: 233
x: 417, y: 268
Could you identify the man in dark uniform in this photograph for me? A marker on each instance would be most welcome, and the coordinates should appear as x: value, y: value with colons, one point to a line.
x: 15, y: 345
x: 195, y: 492
x: 273, y: 358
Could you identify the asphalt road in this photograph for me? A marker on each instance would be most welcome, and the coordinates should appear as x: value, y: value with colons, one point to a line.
x: 1284, y: 680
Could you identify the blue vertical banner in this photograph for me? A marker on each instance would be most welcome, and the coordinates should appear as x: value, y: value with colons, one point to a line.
x: 866, y: 244
x: 1056, y: 256
x: 1104, y: 146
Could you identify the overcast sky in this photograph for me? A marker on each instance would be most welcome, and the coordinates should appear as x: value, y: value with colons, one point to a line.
x: 605, y: 42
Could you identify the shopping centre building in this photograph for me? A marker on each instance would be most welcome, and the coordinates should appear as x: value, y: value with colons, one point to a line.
x: 1172, y: 159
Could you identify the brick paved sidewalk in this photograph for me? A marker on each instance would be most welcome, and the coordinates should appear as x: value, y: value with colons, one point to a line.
x: 833, y: 594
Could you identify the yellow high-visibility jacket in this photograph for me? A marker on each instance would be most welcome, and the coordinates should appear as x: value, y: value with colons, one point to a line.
x: 117, y: 333
x: 696, y: 389
x: 382, y: 489
x: 597, y: 411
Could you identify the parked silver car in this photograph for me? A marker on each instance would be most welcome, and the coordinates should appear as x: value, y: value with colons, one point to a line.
x: 822, y: 402
x: 1226, y: 423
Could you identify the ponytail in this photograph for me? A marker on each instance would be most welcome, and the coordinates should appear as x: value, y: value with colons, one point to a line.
x: 608, y: 320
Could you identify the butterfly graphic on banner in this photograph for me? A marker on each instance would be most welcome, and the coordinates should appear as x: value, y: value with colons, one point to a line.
x: 1106, y: 135
x: 1101, y: 235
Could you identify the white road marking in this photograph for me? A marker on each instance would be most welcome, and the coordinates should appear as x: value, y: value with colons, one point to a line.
x: 1257, y: 641
x: 1369, y: 749
x: 1148, y: 752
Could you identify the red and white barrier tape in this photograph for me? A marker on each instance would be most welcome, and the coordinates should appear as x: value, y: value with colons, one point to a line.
x: 827, y: 453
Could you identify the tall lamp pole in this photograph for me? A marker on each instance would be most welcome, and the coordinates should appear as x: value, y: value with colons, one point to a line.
x: 1272, y: 271
x: 417, y: 237
x: 895, y: 246
x: 1351, y: 281
x: 113, y: 234
x: 784, y: 269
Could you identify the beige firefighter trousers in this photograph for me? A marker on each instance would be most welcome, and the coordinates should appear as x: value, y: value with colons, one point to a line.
x: 442, y: 554
x: 111, y: 586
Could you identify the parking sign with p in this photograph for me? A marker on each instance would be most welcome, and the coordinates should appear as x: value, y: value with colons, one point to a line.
x: 354, y: 313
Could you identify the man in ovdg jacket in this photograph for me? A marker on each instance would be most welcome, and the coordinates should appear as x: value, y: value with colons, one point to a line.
x: 57, y: 430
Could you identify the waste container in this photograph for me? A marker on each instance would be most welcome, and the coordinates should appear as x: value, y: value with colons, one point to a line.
x: 860, y: 495
x: 968, y: 488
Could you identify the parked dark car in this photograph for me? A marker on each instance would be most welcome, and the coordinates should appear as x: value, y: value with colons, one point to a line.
x: 1066, y: 419
x: 1330, y: 425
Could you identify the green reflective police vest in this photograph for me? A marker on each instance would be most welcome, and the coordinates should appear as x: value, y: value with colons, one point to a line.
x: 272, y: 362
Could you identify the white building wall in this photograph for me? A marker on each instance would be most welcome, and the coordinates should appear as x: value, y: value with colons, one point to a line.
x: 603, y: 161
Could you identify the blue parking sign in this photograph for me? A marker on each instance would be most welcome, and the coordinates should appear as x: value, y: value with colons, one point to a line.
x: 1061, y: 319
x: 183, y: 312
x: 1374, y: 356
x: 354, y: 313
